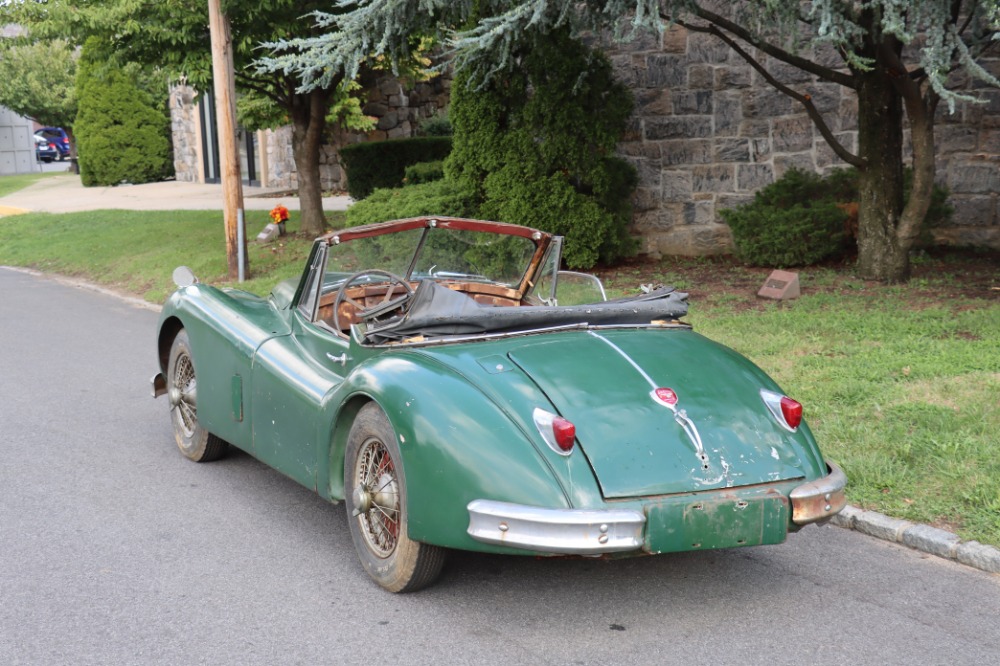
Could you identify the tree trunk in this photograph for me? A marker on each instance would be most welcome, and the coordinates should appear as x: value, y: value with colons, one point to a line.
x: 921, y: 115
x: 881, y: 256
x: 308, y: 124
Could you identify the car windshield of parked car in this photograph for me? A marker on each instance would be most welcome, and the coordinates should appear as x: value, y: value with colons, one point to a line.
x: 444, y: 254
x: 473, y: 255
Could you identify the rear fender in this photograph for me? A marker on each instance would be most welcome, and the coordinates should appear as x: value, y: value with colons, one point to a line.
x: 456, y: 444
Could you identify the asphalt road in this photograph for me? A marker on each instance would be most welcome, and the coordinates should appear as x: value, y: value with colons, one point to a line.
x: 116, y: 550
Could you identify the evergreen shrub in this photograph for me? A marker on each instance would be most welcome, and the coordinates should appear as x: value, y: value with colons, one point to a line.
x: 122, y: 128
x: 439, y: 197
x: 383, y: 164
x: 794, y: 221
x: 423, y: 172
x: 536, y: 144
x: 803, y: 218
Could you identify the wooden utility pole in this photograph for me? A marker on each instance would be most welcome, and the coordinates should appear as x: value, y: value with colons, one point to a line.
x: 225, y: 111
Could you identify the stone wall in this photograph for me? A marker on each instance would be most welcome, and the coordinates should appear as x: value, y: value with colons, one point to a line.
x: 708, y: 131
x: 396, y: 109
x: 184, y: 129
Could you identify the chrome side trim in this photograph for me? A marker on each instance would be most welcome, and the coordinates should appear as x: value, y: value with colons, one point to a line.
x: 556, y: 531
x: 820, y: 499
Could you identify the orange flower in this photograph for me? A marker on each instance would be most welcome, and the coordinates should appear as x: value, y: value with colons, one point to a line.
x: 279, y: 214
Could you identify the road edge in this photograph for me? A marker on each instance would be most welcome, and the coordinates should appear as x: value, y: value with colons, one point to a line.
x: 924, y: 538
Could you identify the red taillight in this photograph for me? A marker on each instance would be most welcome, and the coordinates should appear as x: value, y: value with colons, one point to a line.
x: 558, y: 433
x: 792, y: 411
x: 564, y: 432
x: 786, y: 411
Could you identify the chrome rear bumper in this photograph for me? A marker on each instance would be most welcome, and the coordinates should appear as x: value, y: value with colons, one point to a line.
x: 599, y: 531
x: 557, y: 531
x: 820, y: 499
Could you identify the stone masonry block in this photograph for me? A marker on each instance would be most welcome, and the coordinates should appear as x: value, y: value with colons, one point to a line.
x: 689, y: 102
x: 881, y: 526
x: 981, y: 556
x: 765, y: 103
x: 701, y: 77
x: 974, y: 210
x: 974, y: 179
x: 686, y: 152
x: 931, y: 540
x: 731, y: 150
x: 728, y: 114
x: 713, y: 178
x: 792, y: 134
x: 846, y: 517
x: 678, y: 127
x: 803, y: 161
x: 677, y: 185
x: 751, y: 177
x: 732, y: 78
x: 663, y: 71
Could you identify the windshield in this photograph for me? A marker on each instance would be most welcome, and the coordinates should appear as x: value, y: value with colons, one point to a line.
x: 444, y: 254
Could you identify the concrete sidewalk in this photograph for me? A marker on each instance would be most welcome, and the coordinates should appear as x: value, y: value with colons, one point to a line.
x: 65, y: 194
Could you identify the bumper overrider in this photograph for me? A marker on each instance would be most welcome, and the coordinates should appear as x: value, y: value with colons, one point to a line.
x: 600, y: 531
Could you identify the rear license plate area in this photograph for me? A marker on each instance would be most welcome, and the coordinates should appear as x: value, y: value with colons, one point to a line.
x: 729, y: 520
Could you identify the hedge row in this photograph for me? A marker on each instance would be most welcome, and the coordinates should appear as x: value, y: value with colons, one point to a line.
x: 383, y: 163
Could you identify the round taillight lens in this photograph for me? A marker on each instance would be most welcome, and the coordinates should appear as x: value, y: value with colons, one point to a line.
x: 564, y: 433
x: 558, y: 433
x: 792, y: 411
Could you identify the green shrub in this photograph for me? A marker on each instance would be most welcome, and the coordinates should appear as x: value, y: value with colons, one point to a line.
x: 794, y: 221
x: 439, y: 197
x: 436, y: 125
x: 423, y: 172
x: 383, y: 163
x: 122, y: 129
x: 535, y: 145
x: 801, y: 218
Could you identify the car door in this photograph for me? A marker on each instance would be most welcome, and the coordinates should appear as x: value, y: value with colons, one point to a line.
x: 292, y: 375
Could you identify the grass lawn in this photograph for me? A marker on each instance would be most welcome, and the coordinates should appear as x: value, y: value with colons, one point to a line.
x: 11, y: 184
x: 901, y: 384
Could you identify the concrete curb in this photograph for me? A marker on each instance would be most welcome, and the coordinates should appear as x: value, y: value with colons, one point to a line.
x: 924, y: 538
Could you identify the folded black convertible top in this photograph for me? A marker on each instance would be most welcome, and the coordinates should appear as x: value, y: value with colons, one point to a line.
x: 437, y: 311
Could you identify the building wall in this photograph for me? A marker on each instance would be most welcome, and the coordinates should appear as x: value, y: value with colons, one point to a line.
x: 17, y: 145
x: 396, y: 109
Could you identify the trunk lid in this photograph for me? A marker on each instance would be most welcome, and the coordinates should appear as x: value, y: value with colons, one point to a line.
x: 603, y: 382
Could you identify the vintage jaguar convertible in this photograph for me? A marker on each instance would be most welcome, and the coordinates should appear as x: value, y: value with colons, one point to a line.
x: 457, y: 391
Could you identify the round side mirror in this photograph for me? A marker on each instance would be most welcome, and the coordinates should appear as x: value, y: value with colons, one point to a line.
x: 184, y: 277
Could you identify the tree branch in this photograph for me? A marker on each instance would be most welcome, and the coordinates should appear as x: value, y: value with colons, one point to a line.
x: 747, y: 36
x: 805, y: 100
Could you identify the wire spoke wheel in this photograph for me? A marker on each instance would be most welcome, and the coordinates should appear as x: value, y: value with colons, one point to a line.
x: 375, y: 489
x: 185, y: 410
x: 182, y: 392
x: 379, y: 493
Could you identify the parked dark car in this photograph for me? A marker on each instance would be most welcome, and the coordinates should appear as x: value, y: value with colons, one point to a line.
x: 58, y: 138
x: 44, y: 150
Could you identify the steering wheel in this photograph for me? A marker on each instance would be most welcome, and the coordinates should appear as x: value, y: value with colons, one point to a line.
x: 387, y: 305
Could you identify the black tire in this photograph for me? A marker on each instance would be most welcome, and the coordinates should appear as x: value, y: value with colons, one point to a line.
x: 193, y: 440
x: 375, y: 496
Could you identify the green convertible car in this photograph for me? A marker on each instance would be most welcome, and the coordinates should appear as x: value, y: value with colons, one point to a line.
x: 456, y: 390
